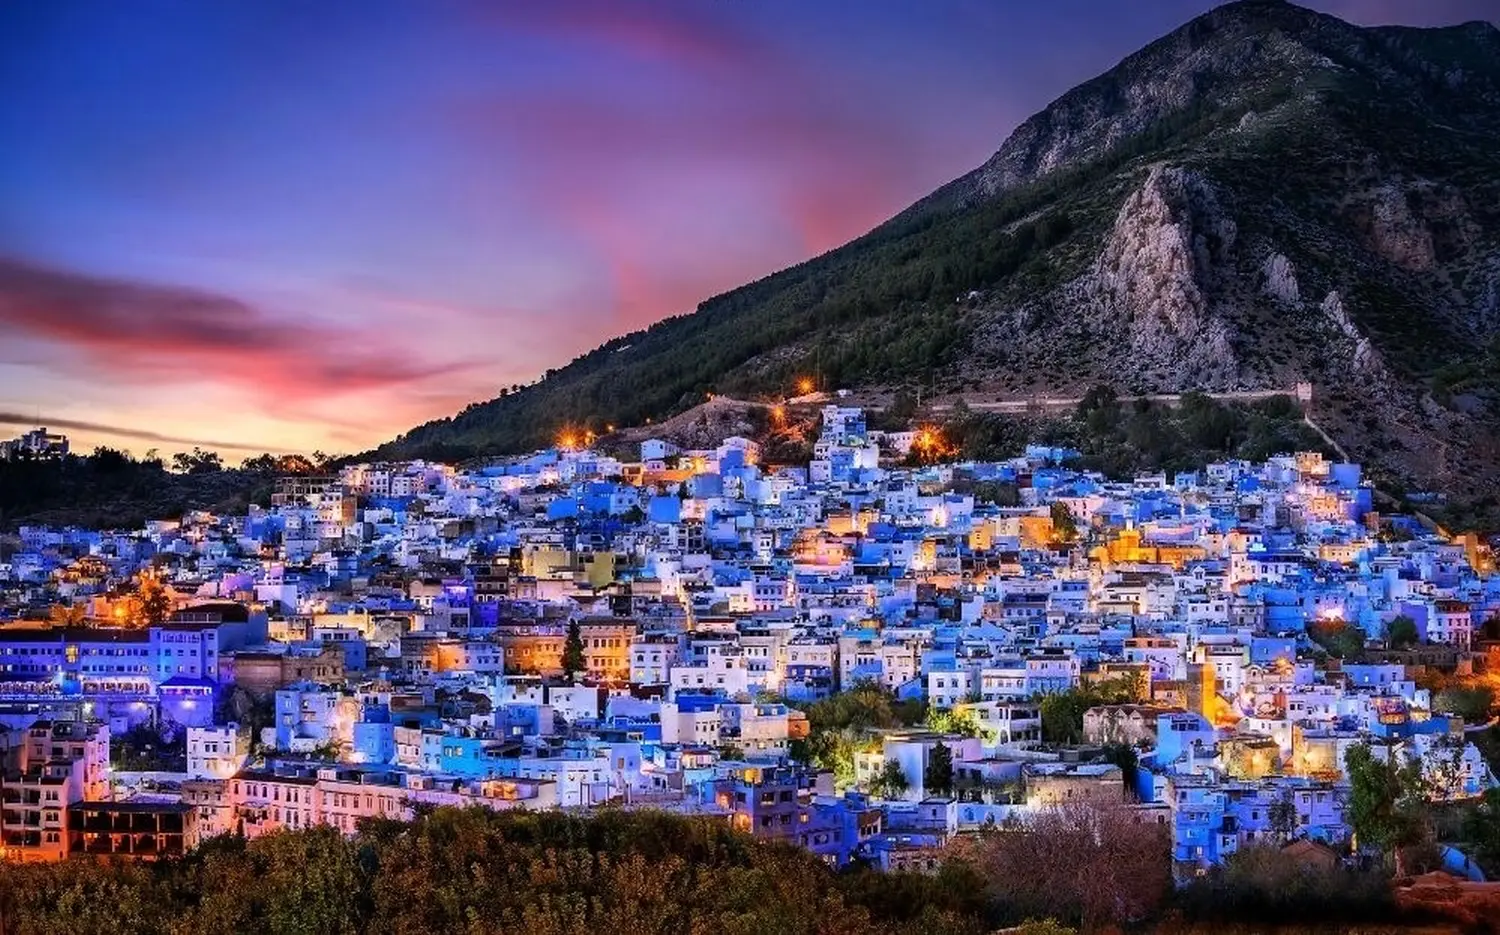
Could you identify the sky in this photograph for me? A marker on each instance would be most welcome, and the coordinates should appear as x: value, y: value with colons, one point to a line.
x: 267, y: 225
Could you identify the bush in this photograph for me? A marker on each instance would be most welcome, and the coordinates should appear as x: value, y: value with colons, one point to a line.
x: 1090, y: 863
x: 1260, y: 883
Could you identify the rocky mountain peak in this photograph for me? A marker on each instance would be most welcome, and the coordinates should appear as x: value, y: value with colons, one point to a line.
x: 1266, y: 196
x: 1219, y: 56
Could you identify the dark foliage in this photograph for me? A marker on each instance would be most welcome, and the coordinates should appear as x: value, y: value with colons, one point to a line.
x: 1260, y: 883
x: 111, y: 490
x: 475, y: 871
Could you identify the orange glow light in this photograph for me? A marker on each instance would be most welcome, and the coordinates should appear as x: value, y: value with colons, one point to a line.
x: 805, y: 385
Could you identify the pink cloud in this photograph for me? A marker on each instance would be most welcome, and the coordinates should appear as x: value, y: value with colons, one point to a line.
x: 151, y: 333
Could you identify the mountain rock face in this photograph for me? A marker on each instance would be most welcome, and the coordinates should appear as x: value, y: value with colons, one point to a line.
x: 1169, y: 245
x: 1266, y: 196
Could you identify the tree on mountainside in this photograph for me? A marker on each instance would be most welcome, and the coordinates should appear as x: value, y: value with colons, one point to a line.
x: 198, y: 461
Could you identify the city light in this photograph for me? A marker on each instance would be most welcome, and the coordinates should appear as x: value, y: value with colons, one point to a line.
x: 805, y: 385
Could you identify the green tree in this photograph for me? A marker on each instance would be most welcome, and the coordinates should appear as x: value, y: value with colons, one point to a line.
x: 1401, y: 632
x: 938, y: 776
x: 198, y: 461
x: 261, y: 464
x: 902, y: 409
x: 1387, y: 806
x: 1470, y: 702
x: 846, y: 723
x: 1124, y: 756
x: 950, y: 721
x: 1064, y: 526
x: 1339, y: 639
x: 1283, y: 817
x: 154, y: 602
x: 892, y: 782
x: 1099, y: 409
x: 1481, y: 831
x: 1062, y: 712
x: 572, y: 654
x: 1000, y: 493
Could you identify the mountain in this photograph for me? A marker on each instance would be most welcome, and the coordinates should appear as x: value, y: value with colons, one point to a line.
x: 1268, y: 195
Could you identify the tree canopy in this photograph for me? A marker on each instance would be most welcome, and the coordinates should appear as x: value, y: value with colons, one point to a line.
x: 573, y: 661
x: 1387, y: 807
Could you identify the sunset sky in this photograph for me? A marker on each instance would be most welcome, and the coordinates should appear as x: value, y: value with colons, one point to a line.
x: 288, y: 226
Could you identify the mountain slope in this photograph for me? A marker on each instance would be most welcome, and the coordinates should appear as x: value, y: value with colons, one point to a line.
x: 1265, y: 196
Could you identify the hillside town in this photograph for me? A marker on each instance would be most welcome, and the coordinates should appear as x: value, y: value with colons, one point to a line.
x: 572, y: 630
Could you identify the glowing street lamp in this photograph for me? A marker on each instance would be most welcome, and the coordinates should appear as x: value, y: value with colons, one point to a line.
x: 805, y: 385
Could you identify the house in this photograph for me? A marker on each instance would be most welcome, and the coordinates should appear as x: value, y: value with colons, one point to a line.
x: 1130, y: 724
x: 216, y: 752
x: 132, y: 830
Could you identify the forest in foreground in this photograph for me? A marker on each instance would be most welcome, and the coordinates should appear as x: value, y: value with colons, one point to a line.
x: 547, y: 873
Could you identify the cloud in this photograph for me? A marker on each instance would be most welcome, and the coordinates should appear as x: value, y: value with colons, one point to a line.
x: 120, y: 431
x: 137, y: 332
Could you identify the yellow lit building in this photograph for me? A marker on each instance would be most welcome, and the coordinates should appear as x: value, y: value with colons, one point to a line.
x: 606, y: 647
x: 1128, y: 547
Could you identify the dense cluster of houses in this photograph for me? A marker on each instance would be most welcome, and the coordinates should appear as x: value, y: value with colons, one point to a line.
x: 572, y: 629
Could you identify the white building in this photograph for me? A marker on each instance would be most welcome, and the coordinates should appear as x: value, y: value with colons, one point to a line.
x: 216, y: 752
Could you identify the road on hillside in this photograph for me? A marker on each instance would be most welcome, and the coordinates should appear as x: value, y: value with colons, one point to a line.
x: 1071, y: 402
